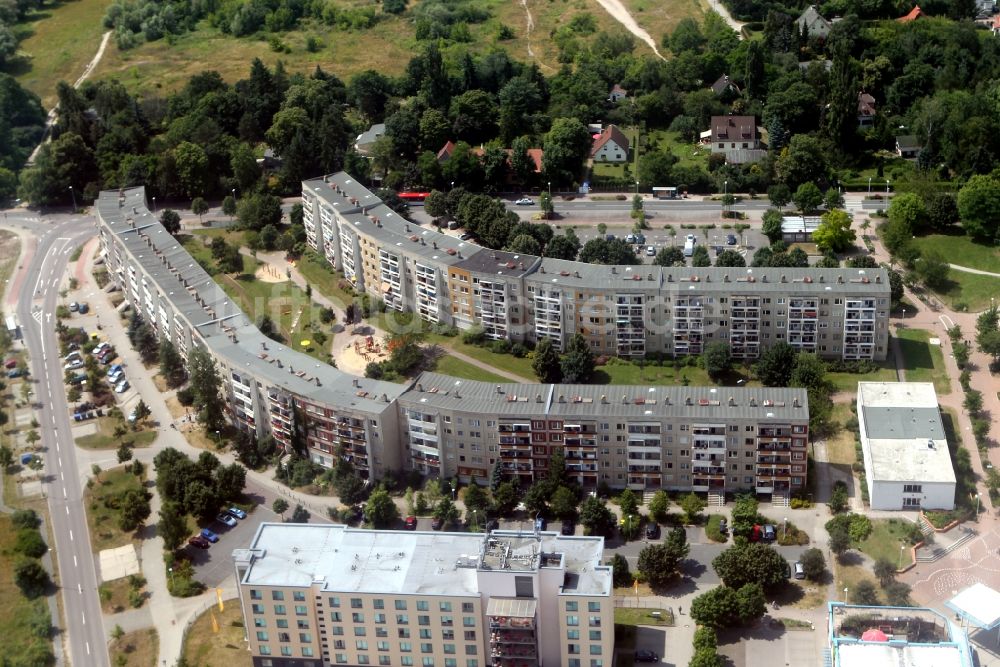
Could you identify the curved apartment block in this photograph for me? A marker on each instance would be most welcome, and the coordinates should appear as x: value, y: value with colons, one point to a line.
x: 708, y: 439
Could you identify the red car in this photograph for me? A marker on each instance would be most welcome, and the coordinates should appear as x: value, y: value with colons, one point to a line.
x: 198, y: 541
x: 411, y: 523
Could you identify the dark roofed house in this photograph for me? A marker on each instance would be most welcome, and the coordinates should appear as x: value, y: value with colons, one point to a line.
x: 812, y: 23
x: 610, y: 146
x: 444, y: 154
x: 738, y: 137
x: 866, y: 109
x: 907, y: 146
x: 724, y: 86
x: 914, y: 14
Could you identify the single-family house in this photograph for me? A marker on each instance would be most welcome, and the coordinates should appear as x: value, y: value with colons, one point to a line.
x: 724, y: 87
x: 985, y: 9
x: 271, y: 161
x: 617, y: 94
x: 363, y: 144
x: 866, y: 109
x: 611, y: 145
x: 738, y: 137
x: 444, y: 154
x: 812, y: 23
x: 907, y: 146
x: 995, y: 26
x: 914, y: 14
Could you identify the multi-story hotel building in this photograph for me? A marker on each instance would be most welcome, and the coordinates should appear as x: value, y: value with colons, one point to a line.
x: 683, y: 438
x: 627, y: 311
x: 318, y: 595
x: 709, y: 439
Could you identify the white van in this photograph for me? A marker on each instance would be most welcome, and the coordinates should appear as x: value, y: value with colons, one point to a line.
x: 689, y: 245
x: 800, y: 573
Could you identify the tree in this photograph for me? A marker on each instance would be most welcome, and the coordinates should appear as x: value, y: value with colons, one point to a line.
x: 578, y: 362
x: 199, y: 207
x: 779, y: 195
x: 124, y: 453
x: 750, y: 562
x: 256, y: 211
x: 229, y: 206
x: 230, y: 480
x: 988, y: 331
x: 172, y: 526
x: 807, y: 197
x: 840, y: 542
x: 505, y: 498
x: 621, y: 574
x: 833, y: 199
x: 171, y: 364
x: 659, y: 506
x: 566, y: 146
x: 834, y: 233
x: 838, y: 498
x: 692, y: 505
x: 669, y: 256
x: 536, y: 498
x: 171, y: 220
x: 884, y: 571
x: 932, y: 269
x: 496, y: 477
x: 730, y: 258
x: 744, y: 515
x: 6, y: 457
x: 897, y: 594
x: 716, y: 608
x: 563, y: 503
x: 30, y: 577
x: 279, y: 507
x: 446, y: 512
x: 563, y: 247
x: 979, y: 207
x: 772, y: 225
x: 546, y: 363
x: 545, y: 203
x: 134, y: 509
x: 300, y: 514
x: 750, y: 603
x: 613, y: 252
x: 596, y: 518
x: 628, y: 503
x: 659, y: 563
x: 774, y: 369
x: 864, y: 593
x: 907, y: 209
x: 813, y: 564
x: 942, y: 211
x: 700, y: 256
x: 718, y: 360
x: 380, y: 510
x: 30, y: 543
x: 205, y: 386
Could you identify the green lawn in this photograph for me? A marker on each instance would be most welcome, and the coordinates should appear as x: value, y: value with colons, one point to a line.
x: 58, y: 40
x: 456, y: 367
x: 323, y: 278
x: 618, y: 371
x: 840, y: 446
x: 18, y: 615
x: 960, y: 249
x: 970, y: 290
x: 609, y: 170
x: 886, y: 372
x: 923, y: 362
x: 505, y: 362
x: 102, y: 520
x: 642, y: 616
x: 886, y: 537
x: 687, y: 154
x: 105, y: 437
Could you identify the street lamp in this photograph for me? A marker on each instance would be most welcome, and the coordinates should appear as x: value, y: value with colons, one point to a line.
x: 887, y: 186
x: 218, y: 440
x: 550, y: 189
x: 784, y: 531
x: 73, y: 195
x: 234, y: 194
x: 154, y: 204
x: 977, y: 506
x: 637, y: 187
x: 171, y: 571
x: 845, y: 593
x: 452, y: 185
x: 902, y: 547
x: 869, y: 185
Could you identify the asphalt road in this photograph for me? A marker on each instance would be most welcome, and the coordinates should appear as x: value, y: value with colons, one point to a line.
x: 650, y: 205
x: 57, y: 237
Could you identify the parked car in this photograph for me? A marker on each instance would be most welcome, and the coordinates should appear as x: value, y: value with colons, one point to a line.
x: 769, y: 533
x: 492, y: 524
x: 237, y: 512
x: 73, y: 306
x: 75, y: 354
x: 411, y: 523
x: 115, y: 369
x: 731, y: 239
x: 101, y: 347
x: 209, y: 535
x: 226, y: 519
x: 79, y: 378
x: 541, y: 523
x: 199, y: 541
x: 74, y: 364
x: 83, y: 308
x: 800, y: 572
x: 122, y: 387
x: 436, y: 523
x: 16, y: 373
x: 643, y: 655
x: 640, y: 239
x: 465, y: 236
x: 650, y: 251
x: 755, y: 533
x: 652, y: 531
x: 630, y: 239
x: 568, y: 527
x: 525, y: 201
x: 10, y: 363
x: 723, y: 526
x: 116, y: 376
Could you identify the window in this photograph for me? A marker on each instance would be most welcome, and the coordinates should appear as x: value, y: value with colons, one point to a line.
x: 359, y: 631
x: 336, y: 617
x: 572, y: 606
x: 427, y: 662
x: 467, y: 607
x: 279, y: 609
x: 406, y: 661
x: 384, y: 660
x: 572, y: 621
x: 444, y: 606
x: 402, y: 619
x: 913, y: 488
x: 335, y: 602
x: 302, y: 625
x: 595, y: 635
x: 300, y: 610
x: 423, y: 620
x: 277, y: 595
x: 422, y: 605
x: 257, y: 608
x: 382, y: 646
x: 355, y: 603
x: 259, y: 623
x: 380, y: 618
x: 361, y: 644
x: 911, y: 502
x: 594, y: 606
x: 523, y: 587
x: 266, y: 650
x: 425, y: 633
x: 261, y: 636
x: 426, y: 647
x: 469, y: 621
x: 470, y: 635
x: 406, y: 647
x: 362, y: 659
x: 378, y: 604
x: 404, y: 633
x: 298, y: 596
x: 305, y: 638
x: 401, y: 605
x: 595, y: 621
x: 595, y: 649
x: 572, y: 634
x: 255, y: 594
x: 358, y: 617
x: 286, y: 650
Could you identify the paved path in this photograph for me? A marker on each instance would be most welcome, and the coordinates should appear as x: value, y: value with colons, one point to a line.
x: 621, y: 14
x: 965, y: 269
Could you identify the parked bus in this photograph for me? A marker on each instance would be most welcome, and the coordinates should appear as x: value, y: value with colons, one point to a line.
x: 413, y: 197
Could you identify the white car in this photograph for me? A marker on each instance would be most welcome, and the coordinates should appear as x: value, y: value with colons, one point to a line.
x: 73, y: 365
x: 122, y: 387
x: 650, y: 251
x: 100, y: 348
x: 116, y: 376
x: 525, y: 201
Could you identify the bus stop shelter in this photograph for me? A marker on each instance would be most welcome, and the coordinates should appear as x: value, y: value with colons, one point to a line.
x: 979, y: 606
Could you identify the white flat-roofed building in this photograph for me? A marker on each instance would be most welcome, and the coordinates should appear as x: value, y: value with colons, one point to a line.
x: 907, y: 463
x: 316, y: 595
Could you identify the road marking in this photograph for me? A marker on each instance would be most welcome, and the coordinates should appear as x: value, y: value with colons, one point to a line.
x: 67, y: 512
x: 61, y: 476
x: 87, y: 643
x: 70, y: 532
x: 946, y: 321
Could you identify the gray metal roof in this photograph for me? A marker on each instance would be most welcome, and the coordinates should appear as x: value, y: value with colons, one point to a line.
x: 433, y: 390
x: 342, y: 192
x: 500, y: 263
x: 394, y: 232
x: 903, y: 423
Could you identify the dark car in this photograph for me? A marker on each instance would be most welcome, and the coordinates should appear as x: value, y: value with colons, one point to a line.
x: 723, y: 526
x: 436, y: 523
x: 541, y: 523
x: 652, y: 531
x: 198, y: 541
x: 643, y: 655
x: 568, y: 527
x: 492, y: 524
x: 770, y: 534
x: 411, y: 523
x: 730, y: 239
x: 356, y: 515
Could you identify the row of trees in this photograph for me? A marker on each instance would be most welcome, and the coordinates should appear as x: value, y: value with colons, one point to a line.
x: 196, y: 488
x: 575, y: 365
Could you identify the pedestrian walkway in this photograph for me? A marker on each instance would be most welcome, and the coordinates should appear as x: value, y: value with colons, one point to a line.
x: 965, y: 269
